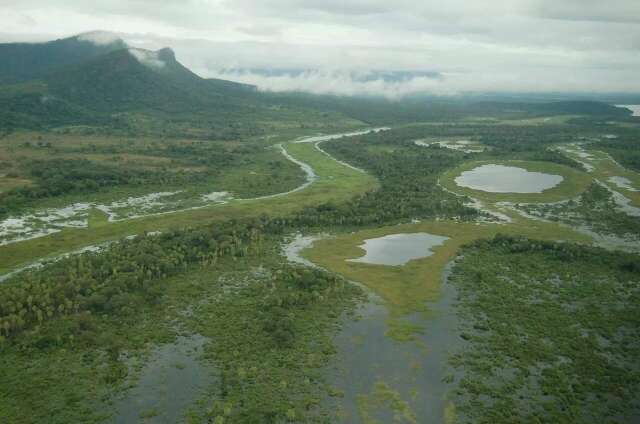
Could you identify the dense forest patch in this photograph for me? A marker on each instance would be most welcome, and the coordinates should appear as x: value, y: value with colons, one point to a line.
x: 623, y: 149
x: 269, y: 325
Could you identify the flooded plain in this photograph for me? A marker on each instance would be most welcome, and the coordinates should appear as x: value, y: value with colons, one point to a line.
x: 169, y: 382
x: 378, y: 379
x: 398, y: 249
x: 466, y: 146
x: 48, y: 221
x: 622, y: 182
x: 375, y: 378
x: 52, y: 220
x: 507, y: 179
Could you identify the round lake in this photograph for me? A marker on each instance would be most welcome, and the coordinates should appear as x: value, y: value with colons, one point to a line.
x: 507, y: 179
x: 398, y: 249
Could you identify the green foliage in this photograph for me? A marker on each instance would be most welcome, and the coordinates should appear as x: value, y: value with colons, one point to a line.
x: 272, y: 338
x: 552, y: 332
x: 624, y: 149
x: 408, y: 179
x: 58, y: 177
x: 111, y: 281
x: 380, y: 111
x: 24, y: 61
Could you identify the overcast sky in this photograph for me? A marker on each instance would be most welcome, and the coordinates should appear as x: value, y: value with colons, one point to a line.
x: 480, y: 45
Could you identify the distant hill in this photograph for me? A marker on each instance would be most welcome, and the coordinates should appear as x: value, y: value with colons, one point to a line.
x: 133, y: 90
x: 380, y: 111
x: 137, y: 79
x: 125, y: 80
x: 25, y: 61
x: 96, y: 80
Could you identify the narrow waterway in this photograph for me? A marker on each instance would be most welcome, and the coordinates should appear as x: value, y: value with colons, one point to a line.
x: 44, y: 222
x: 14, y: 230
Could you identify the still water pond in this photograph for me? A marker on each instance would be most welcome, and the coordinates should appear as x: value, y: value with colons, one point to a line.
x: 398, y: 249
x: 507, y: 179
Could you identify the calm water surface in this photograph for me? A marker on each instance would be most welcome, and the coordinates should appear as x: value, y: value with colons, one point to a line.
x: 507, y: 179
x: 170, y: 381
x: 398, y: 249
x: 415, y: 370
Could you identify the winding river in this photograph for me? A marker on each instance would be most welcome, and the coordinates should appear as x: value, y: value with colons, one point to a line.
x: 46, y: 222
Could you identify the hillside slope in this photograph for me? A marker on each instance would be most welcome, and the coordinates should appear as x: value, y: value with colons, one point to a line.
x: 25, y: 61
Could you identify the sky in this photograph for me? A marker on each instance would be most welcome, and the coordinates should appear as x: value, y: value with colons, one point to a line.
x: 456, y: 46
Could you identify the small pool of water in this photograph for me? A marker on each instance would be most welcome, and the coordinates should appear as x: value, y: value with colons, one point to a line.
x: 622, y: 182
x: 398, y: 249
x: 507, y: 179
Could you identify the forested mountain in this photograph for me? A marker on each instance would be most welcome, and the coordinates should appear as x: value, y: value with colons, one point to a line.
x: 96, y: 80
x: 135, y: 79
x: 125, y: 89
x: 24, y: 61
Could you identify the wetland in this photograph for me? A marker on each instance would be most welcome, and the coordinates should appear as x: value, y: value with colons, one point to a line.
x: 364, y: 290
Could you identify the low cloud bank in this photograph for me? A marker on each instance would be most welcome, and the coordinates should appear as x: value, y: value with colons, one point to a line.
x: 100, y: 38
x: 375, y: 83
x: 393, y: 85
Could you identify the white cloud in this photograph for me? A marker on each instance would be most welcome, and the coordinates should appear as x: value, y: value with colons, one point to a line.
x: 337, y: 82
x: 100, y: 38
x: 501, y: 45
x: 147, y: 58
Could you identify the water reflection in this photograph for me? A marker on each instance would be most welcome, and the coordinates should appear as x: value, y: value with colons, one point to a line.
x: 169, y: 382
x: 378, y: 379
x: 398, y: 249
x: 507, y: 179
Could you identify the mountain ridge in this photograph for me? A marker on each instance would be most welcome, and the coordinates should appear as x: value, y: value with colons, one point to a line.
x: 97, y: 79
x: 25, y: 61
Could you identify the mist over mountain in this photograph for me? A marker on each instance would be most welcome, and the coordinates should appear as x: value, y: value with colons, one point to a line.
x: 97, y: 79
x: 393, y: 84
x: 361, y: 76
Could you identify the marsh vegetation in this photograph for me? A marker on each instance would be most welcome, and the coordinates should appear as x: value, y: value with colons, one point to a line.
x: 273, y: 337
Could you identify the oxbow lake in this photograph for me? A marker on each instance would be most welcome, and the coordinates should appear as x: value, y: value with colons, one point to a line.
x: 507, y: 179
x: 398, y: 249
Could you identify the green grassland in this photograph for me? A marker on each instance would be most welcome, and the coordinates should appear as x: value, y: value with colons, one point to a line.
x: 336, y: 183
x: 76, y: 335
x: 596, y: 210
x: 406, y: 289
x: 141, y: 166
